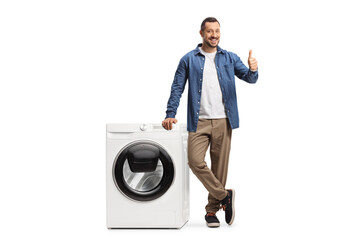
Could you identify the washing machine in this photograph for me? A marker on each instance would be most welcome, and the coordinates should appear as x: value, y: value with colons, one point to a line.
x: 147, y: 176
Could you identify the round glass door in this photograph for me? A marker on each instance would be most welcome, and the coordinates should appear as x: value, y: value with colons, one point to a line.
x: 142, y: 181
x: 143, y: 171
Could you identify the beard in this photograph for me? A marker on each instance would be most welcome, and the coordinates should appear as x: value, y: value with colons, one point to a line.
x: 209, y: 44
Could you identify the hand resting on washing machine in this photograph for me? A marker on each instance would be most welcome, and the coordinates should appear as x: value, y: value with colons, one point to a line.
x: 168, y: 123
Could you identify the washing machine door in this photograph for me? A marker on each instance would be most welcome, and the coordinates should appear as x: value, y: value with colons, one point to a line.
x: 143, y: 171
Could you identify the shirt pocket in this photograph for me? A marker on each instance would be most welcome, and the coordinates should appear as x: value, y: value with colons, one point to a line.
x: 228, y: 71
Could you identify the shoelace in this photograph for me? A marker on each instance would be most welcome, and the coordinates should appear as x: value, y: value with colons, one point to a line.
x: 224, y: 206
x: 210, y: 214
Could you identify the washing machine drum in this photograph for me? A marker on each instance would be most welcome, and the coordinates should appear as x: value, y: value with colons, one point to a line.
x: 143, y: 171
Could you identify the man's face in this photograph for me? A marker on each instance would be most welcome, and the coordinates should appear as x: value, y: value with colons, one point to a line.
x: 211, y: 34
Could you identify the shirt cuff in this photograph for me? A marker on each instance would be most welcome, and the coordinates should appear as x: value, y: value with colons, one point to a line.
x: 170, y: 115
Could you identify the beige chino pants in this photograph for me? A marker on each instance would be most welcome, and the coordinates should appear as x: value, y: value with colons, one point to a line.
x: 217, y: 134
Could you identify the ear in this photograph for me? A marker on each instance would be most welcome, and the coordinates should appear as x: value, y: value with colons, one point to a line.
x: 201, y: 33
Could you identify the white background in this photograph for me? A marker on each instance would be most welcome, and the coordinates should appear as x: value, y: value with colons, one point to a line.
x: 69, y: 67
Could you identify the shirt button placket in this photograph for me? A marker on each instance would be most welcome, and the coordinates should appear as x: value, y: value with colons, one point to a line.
x: 197, y: 113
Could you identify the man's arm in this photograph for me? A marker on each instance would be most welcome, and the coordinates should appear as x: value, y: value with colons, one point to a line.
x: 177, y: 89
x: 244, y: 73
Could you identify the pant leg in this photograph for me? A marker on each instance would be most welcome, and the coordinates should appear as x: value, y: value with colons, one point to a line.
x: 219, y: 154
x: 198, y: 143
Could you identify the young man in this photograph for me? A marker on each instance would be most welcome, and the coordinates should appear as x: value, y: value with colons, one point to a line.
x: 212, y: 113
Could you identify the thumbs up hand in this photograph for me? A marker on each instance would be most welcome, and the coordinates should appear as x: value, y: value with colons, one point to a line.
x: 252, y: 62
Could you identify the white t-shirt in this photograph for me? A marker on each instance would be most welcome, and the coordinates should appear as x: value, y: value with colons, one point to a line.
x: 212, y: 103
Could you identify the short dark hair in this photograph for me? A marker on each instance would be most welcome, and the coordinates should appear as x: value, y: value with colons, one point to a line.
x: 208, y: 19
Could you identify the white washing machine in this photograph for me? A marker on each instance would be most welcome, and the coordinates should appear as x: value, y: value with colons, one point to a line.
x: 147, y: 176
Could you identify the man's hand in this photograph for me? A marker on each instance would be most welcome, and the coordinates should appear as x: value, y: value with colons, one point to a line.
x: 167, y: 123
x: 252, y: 62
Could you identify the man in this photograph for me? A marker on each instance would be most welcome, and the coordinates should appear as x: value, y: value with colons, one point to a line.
x: 211, y: 114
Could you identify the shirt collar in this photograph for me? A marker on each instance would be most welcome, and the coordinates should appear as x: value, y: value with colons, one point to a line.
x: 197, y: 49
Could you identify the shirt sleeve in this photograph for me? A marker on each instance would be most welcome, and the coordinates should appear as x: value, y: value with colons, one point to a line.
x: 177, y: 88
x: 243, y: 72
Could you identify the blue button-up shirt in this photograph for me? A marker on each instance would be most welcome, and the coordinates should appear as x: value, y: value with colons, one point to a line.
x: 191, y: 67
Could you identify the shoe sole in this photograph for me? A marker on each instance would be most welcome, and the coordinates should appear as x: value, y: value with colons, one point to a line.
x: 213, y: 225
x: 232, y: 207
